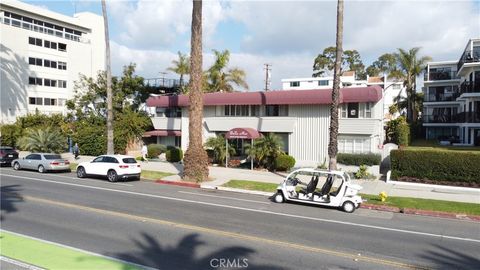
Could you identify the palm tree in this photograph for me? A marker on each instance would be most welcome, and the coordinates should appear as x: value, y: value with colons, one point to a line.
x: 217, y: 144
x: 110, y: 147
x: 196, y: 159
x: 333, y: 145
x: 42, y: 140
x: 266, y: 149
x: 181, y: 66
x: 220, y: 80
x: 411, y: 66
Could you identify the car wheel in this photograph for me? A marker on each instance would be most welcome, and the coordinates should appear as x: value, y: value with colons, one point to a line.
x: 278, y: 198
x: 112, y: 176
x: 16, y: 166
x: 348, y: 207
x: 81, y: 172
x: 41, y: 169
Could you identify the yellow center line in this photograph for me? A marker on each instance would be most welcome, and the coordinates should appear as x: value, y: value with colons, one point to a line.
x: 227, y: 234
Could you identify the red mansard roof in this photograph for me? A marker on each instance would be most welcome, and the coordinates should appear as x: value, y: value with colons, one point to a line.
x: 280, y: 97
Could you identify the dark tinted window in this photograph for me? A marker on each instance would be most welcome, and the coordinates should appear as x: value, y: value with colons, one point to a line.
x: 52, y: 157
x: 110, y: 160
x: 31, y: 61
x: 31, y: 40
x: 129, y: 160
x: 98, y: 159
x: 34, y: 156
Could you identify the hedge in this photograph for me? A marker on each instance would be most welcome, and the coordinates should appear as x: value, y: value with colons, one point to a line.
x: 359, y: 159
x: 439, y: 165
x: 174, y: 155
x: 154, y: 150
x: 284, y: 162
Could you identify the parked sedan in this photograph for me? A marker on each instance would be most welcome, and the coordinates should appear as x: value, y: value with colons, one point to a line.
x: 42, y: 162
x: 114, y: 167
x: 7, y: 154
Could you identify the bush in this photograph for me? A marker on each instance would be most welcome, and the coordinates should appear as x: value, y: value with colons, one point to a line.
x: 91, y: 139
x: 154, y: 150
x: 438, y: 165
x: 284, y: 162
x: 362, y: 172
x: 359, y: 159
x: 174, y: 154
x: 398, y: 131
x: 10, y: 135
x: 139, y: 158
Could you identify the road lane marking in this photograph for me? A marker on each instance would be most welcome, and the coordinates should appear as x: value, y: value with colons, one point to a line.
x: 20, y: 264
x: 261, y: 211
x: 227, y: 234
x: 223, y: 197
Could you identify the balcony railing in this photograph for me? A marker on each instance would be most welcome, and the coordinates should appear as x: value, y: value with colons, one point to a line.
x: 469, y: 87
x: 469, y: 117
x: 470, y: 56
x: 442, y: 97
x: 464, y: 117
x: 440, y: 75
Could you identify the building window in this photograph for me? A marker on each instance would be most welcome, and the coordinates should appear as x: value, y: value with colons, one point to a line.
x: 62, y: 47
x: 38, y: 62
x: 368, y: 110
x: 50, y: 101
x: 62, y: 65
x: 396, y: 86
x: 276, y: 110
x: 62, y: 84
x: 354, y: 145
x: 323, y: 83
x: 178, y: 141
x: 255, y: 110
x: 46, y: 63
x: 31, y: 80
x: 173, y: 112
x: 356, y: 110
x: 294, y: 84
x: 35, y: 101
x: 39, y: 81
x: 31, y: 61
x: 352, y: 110
x: 62, y: 101
x: 53, y: 64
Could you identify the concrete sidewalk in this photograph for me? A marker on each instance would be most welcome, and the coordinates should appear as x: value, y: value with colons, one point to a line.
x: 221, y: 175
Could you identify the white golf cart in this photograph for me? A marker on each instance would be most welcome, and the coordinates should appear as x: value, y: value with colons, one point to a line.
x: 335, y: 189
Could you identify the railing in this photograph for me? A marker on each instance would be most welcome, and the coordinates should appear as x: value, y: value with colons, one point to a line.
x: 469, y: 56
x: 41, y: 29
x: 442, y: 97
x: 469, y: 87
x: 440, y: 75
x: 463, y: 117
x: 164, y: 82
x: 469, y: 117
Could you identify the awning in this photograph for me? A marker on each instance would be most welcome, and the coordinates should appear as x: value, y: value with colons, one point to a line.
x: 162, y: 133
x: 243, y: 133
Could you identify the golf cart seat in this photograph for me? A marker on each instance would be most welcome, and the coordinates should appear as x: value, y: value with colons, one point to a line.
x: 311, y: 186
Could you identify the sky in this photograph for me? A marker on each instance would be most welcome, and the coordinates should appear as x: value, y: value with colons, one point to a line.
x: 288, y: 35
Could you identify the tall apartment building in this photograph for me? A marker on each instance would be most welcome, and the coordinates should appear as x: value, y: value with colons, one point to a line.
x: 452, y: 98
x: 42, y: 55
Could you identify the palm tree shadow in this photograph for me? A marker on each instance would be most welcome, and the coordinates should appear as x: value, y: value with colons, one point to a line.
x: 183, y: 256
x: 10, y: 196
x: 446, y: 258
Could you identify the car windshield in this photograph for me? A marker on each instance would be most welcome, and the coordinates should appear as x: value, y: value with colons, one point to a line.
x: 50, y: 157
x: 129, y: 160
x: 7, y: 150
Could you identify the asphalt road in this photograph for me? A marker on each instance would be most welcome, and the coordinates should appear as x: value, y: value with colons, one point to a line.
x: 168, y: 227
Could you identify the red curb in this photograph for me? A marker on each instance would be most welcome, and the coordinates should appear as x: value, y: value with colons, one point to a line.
x: 380, y: 207
x: 178, y: 183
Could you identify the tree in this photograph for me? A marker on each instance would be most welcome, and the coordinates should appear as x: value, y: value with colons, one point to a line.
x: 266, y: 150
x: 333, y: 144
x: 385, y: 64
x: 110, y: 146
x: 221, y: 80
x: 217, y: 144
x: 43, y: 140
x: 181, y: 66
x: 410, y: 66
x: 196, y: 159
x: 351, y: 59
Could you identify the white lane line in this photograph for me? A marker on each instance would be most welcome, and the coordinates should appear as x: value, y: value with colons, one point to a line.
x: 262, y: 211
x: 223, y: 197
x: 80, y: 250
x: 19, y: 263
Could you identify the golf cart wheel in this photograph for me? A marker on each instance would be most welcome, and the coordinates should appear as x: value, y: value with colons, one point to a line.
x: 278, y: 198
x: 16, y: 166
x: 348, y: 207
x: 41, y: 169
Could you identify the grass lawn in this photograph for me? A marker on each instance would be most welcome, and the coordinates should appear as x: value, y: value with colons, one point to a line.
x: 433, y: 145
x: 154, y: 175
x: 51, y: 256
x: 400, y: 202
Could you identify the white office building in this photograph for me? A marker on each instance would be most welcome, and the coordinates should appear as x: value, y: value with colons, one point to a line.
x: 42, y: 55
x: 451, y: 106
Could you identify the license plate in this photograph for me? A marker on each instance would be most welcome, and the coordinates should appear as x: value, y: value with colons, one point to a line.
x: 61, y: 163
x: 10, y: 155
x: 133, y: 166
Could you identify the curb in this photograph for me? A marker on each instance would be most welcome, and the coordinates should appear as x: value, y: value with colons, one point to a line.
x: 177, y: 183
x: 408, y: 211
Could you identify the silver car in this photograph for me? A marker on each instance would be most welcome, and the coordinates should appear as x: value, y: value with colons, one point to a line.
x: 42, y: 162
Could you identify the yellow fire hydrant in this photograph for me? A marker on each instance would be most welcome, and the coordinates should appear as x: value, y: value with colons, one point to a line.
x: 383, y: 196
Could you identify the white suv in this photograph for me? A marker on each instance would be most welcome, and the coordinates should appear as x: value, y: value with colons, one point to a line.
x: 114, y: 167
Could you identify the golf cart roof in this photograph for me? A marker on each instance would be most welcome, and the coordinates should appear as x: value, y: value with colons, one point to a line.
x: 313, y: 170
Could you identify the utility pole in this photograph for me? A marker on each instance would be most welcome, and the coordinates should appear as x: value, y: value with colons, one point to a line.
x: 268, y: 69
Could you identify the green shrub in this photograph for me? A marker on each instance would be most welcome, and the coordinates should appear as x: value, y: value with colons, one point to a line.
x: 91, y: 139
x: 359, y: 159
x: 438, y: 165
x: 284, y: 162
x: 10, y: 135
x: 403, y: 134
x: 398, y: 131
x: 139, y: 158
x: 154, y: 150
x: 174, y: 154
x: 362, y: 172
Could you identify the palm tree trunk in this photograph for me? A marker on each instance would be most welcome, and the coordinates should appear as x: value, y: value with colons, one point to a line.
x: 110, y: 147
x: 196, y: 160
x: 333, y: 146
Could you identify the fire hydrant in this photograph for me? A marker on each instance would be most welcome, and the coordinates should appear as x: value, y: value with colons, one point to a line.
x: 383, y: 196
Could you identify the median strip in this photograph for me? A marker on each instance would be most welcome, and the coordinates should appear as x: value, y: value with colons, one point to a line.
x: 48, y: 255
